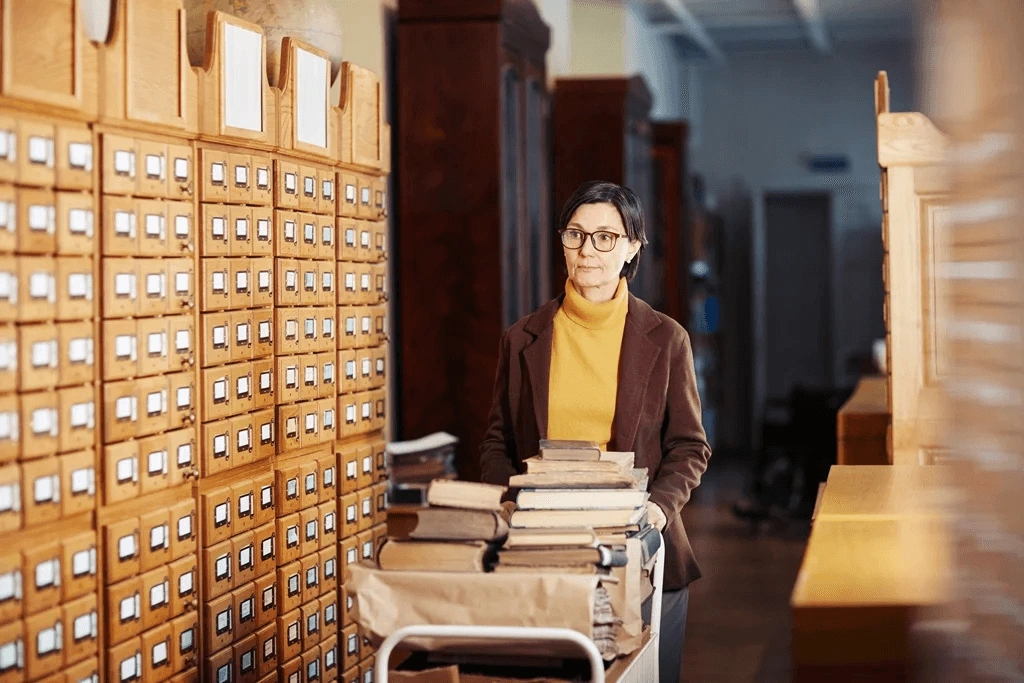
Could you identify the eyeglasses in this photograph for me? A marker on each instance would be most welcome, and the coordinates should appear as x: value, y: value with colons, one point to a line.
x: 603, y: 240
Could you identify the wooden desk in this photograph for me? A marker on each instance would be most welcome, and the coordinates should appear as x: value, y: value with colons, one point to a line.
x: 879, y: 551
x: 857, y: 593
x: 883, y: 491
x: 862, y: 424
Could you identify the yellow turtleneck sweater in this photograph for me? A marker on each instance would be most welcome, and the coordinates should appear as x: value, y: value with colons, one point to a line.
x: 585, y: 366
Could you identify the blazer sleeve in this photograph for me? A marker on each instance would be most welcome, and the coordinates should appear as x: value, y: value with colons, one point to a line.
x: 684, y: 446
x: 498, y: 449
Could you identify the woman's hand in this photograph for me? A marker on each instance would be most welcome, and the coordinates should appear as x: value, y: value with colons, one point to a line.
x: 656, y: 516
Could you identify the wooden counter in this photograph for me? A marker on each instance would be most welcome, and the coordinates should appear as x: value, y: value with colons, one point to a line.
x: 863, y: 423
x: 858, y: 592
x: 883, y: 491
x: 879, y: 551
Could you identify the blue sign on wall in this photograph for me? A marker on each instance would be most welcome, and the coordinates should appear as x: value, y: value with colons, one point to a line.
x: 828, y: 163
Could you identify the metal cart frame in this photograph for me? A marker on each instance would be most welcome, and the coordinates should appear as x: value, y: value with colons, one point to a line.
x: 642, y: 669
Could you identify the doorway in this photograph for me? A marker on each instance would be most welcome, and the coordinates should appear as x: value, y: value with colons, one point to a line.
x: 798, y: 292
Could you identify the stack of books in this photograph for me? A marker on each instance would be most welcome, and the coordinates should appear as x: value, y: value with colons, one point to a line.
x: 458, y: 530
x: 413, y: 465
x: 575, y: 508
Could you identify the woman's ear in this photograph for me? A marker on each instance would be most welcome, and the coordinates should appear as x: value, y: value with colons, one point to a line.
x: 634, y: 247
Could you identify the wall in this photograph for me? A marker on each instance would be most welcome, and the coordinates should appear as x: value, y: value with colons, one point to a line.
x: 758, y: 114
x: 611, y: 38
x: 367, y: 28
x: 653, y: 56
x: 556, y: 14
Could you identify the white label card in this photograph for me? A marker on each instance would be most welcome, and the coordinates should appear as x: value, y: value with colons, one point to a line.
x: 157, y: 595
x: 126, y: 547
x: 182, y: 226
x: 242, y: 78
x: 80, y: 221
x: 126, y: 470
x: 311, y: 86
x: 155, y: 283
x: 124, y: 162
x: 154, y: 166
x: 184, y: 527
x: 80, y: 156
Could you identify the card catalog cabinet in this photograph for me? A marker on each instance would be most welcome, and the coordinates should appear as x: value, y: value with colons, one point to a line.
x: 183, y: 288
x: 150, y: 444
x: 236, y: 330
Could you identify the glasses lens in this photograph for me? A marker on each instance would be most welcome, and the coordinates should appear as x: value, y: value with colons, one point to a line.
x: 605, y: 241
x: 572, y: 239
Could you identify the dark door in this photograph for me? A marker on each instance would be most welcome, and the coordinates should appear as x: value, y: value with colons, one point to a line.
x: 798, y: 292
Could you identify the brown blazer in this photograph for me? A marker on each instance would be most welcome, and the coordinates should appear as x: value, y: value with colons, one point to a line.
x: 657, y: 414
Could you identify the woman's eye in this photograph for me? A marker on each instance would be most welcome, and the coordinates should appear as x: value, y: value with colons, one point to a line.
x: 603, y: 239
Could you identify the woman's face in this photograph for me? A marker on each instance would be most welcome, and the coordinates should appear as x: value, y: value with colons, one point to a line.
x: 590, y: 267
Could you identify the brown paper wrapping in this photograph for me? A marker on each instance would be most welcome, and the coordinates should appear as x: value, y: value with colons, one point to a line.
x: 626, y: 599
x: 390, y: 600
x: 450, y: 674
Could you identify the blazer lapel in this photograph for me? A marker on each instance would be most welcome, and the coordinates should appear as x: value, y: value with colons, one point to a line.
x: 636, y: 360
x: 538, y: 368
x: 537, y: 357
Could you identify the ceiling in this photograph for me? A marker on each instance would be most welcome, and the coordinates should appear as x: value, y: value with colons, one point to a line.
x: 711, y: 29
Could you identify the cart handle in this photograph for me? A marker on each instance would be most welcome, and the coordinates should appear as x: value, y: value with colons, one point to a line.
x: 490, y: 633
x: 659, y: 590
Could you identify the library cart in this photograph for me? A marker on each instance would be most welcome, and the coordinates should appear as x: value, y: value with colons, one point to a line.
x: 639, y: 667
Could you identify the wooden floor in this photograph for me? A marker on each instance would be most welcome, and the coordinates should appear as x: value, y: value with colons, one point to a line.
x: 738, y: 627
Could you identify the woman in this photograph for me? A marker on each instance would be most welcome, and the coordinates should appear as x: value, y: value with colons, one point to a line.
x: 598, y: 364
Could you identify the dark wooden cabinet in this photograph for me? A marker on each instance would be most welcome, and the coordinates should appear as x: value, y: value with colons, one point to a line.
x: 670, y: 215
x: 602, y: 131
x: 473, y: 230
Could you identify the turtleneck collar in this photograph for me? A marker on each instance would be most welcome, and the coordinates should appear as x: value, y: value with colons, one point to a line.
x: 591, y: 315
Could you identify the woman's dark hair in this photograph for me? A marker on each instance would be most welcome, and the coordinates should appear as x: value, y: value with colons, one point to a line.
x: 625, y: 202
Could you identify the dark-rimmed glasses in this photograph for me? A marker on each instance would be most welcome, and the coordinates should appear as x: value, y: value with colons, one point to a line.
x: 603, y: 240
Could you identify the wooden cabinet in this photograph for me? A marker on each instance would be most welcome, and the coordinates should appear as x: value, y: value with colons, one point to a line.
x: 601, y: 131
x: 669, y: 215
x: 917, y: 209
x: 474, y: 230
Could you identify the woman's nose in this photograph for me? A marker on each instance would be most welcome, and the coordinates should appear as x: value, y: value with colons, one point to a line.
x: 588, y: 247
